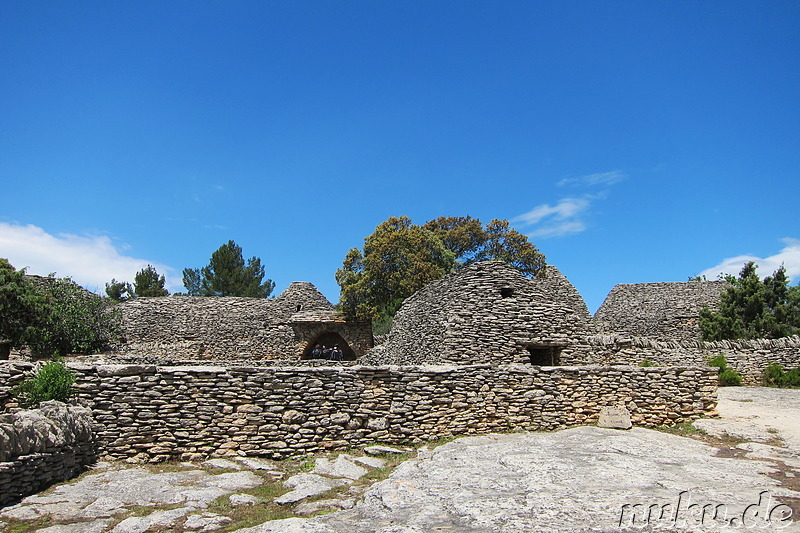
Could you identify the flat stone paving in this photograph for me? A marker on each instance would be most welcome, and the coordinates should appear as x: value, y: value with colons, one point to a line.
x: 580, y: 479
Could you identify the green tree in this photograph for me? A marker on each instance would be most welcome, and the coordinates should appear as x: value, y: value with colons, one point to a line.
x: 471, y: 242
x: 72, y: 320
x: 53, y: 316
x: 751, y: 308
x: 147, y: 283
x: 21, y: 305
x: 228, y: 275
x: 400, y: 258
x: 119, y: 291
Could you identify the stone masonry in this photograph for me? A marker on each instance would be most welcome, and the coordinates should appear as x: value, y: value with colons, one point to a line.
x: 211, y: 328
x: 485, y: 313
x: 43, y: 446
x: 149, y: 413
x: 662, y: 311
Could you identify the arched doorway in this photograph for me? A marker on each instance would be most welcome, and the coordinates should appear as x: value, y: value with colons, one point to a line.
x: 330, y: 339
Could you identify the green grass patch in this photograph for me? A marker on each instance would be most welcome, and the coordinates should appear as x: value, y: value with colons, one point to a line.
x: 685, y: 429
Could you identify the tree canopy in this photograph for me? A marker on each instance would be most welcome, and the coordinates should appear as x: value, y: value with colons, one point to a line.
x: 751, y: 308
x: 20, y: 304
x: 54, y: 316
x: 119, y: 291
x: 399, y: 258
x: 228, y: 275
x: 148, y: 283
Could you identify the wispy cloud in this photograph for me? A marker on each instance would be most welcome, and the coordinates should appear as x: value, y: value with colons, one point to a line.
x: 90, y: 260
x: 567, y: 216
x: 789, y: 257
x: 591, y: 180
x: 558, y: 220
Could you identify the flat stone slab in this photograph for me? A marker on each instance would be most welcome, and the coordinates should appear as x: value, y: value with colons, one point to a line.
x: 340, y: 467
x: 307, y: 485
x: 205, y: 522
x: 577, y: 480
x: 243, y: 499
x: 222, y: 463
x: 114, y: 491
x: 307, y: 508
x: 157, y: 519
x: 95, y: 526
x: 372, y: 462
x: 233, y: 481
x: 378, y: 450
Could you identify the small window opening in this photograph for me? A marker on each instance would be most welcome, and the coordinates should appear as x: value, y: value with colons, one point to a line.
x: 299, y: 307
x: 544, y: 355
x: 506, y: 292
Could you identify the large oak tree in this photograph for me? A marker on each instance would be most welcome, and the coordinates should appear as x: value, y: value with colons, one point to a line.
x: 399, y: 258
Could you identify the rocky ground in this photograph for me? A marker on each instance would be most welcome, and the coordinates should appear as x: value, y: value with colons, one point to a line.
x: 742, y: 471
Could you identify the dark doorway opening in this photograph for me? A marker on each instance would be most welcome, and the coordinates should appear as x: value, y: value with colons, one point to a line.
x: 330, y: 339
x: 544, y: 355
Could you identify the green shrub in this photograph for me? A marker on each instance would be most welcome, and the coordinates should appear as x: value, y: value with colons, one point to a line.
x: 776, y: 376
x: 792, y: 378
x: 729, y: 377
x: 718, y: 361
x: 646, y: 362
x: 53, y: 381
x: 773, y: 375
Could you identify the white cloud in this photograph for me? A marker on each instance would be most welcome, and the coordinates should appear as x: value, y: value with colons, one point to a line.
x: 566, y: 208
x: 566, y: 217
x: 600, y: 178
x: 558, y: 220
x: 89, y: 260
x: 789, y: 257
x: 569, y: 227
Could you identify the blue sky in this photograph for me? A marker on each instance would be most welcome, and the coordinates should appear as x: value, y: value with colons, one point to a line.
x: 632, y: 141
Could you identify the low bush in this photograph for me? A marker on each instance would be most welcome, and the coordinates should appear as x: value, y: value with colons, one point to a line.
x: 718, y: 361
x: 727, y: 376
x: 776, y: 376
x: 53, y: 381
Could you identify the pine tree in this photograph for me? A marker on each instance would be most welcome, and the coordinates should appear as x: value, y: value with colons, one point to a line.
x: 228, y: 275
x: 147, y: 282
x: 752, y: 309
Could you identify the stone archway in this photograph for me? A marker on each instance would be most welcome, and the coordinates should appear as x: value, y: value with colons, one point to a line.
x: 329, y: 339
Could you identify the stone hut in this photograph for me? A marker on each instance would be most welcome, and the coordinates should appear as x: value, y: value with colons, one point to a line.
x: 487, y: 312
x: 226, y: 328
x: 661, y: 311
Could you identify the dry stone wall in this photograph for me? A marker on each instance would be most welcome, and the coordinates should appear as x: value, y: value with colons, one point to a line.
x: 43, y: 446
x: 485, y: 313
x: 211, y: 328
x: 748, y: 357
x: 664, y: 311
x: 151, y: 413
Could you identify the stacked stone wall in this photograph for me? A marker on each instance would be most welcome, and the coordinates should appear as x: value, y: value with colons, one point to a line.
x: 154, y: 413
x: 213, y: 328
x: 485, y: 313
x: 43, y: 446
x: 664, y: 311
x: 748, y: 357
